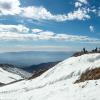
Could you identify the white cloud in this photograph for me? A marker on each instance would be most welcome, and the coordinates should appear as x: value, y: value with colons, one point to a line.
x: 80, y: 14
x: 40, y: 13
x: 36, y: 30
x: 83, y: 1
x: 46, y: 35
x: 17, y: 36
x: 13, y: 28
x: 84, y: 5
x: 12, y: 32
x: 21, y: 47
x: 78, y: 4
x: 67, y: 37
x: 91, y: 28
x: 12, y: 7
x: 77, y: 38
x: 9, y: 7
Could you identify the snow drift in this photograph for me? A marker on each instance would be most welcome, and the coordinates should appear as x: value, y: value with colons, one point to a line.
x: 58, y: 82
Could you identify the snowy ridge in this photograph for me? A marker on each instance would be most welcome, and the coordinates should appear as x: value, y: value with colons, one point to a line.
x: 58, y: 82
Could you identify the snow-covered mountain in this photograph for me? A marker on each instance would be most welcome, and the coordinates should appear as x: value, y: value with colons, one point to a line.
x: 13, y: 69
x: 9, y: 73
x: 7, y: 77
x: 58, y: 83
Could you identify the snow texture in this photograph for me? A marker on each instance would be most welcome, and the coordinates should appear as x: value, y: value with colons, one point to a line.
x: 58, y: 82
x: 7, y: 77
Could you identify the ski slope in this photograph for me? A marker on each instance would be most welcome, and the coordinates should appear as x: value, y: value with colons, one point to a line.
x: 58, y: 82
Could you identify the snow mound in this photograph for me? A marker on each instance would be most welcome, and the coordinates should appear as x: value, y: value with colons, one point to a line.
x: 58, y: 82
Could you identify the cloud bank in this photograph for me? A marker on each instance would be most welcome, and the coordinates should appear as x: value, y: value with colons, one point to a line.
x: 9, y: 7
x: 13, y: 7
x: 20, y: 32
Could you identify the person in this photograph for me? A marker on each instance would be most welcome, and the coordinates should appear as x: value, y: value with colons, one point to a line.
x: 84, y: 50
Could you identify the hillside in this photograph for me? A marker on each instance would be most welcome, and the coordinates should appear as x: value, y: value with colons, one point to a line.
x: 15, y: 70
x: 8, y: 77
x: 39, y: 69
x: 59, y: 82
x: 9, y: 74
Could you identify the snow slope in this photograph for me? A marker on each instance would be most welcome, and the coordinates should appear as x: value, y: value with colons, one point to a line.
x: 15, y: 70
x: 58, y: 82
x: 7, y: 77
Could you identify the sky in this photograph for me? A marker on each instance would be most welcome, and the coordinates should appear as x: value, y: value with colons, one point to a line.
x: 49, y: 25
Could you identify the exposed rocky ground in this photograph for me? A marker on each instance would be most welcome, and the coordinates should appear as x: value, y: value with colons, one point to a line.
x: 90, y: 74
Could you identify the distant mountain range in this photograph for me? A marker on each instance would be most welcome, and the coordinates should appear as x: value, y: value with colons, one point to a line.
x: 29, y: 64
x: 15, y: 70
x: 10, y: 74
x: 42, y: 66
x: 28, y: 58
x: 7, y: 75
x: 37, y: 70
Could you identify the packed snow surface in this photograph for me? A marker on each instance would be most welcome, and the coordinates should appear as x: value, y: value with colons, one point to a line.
x: 58, y: 82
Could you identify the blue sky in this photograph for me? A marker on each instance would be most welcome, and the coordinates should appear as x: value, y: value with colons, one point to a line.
x: 46, y: 25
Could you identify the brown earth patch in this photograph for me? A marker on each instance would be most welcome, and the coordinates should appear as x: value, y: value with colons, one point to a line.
x: 93, y: 74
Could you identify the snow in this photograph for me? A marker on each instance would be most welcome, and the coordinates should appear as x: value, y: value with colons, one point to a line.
x: 58, y: 82
x: 17, y: 71
x: 7, y: 77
